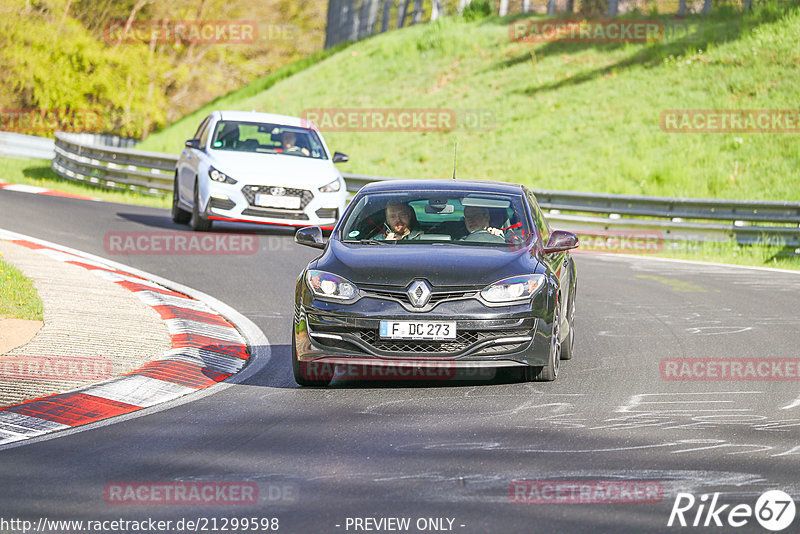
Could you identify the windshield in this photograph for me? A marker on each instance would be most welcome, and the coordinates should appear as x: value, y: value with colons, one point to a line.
x: 454, y: 217
x: 267, y: 139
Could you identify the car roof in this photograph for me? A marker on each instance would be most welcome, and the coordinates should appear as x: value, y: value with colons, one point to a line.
x: 270, y: 118
x: 482, y: 186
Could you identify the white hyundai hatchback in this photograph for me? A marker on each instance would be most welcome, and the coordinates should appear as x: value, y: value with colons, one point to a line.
x: 260, y: 168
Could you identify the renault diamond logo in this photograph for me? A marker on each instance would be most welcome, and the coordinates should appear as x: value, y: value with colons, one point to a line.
x: 419, y: 293
x: 277, y: 191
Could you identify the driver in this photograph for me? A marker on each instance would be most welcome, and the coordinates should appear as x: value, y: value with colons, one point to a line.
x: 288, y: 140
x: 476, y: 219
x: 401, y: 222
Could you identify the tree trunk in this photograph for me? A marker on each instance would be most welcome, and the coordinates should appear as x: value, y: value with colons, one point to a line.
x: 387, y: 6
x: 436, y: 10
x: 417, y: 15
x: 401, y: 13
x: 503, y: 8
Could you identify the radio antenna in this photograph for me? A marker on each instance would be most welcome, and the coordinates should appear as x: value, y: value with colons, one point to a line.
x: 455, y: 154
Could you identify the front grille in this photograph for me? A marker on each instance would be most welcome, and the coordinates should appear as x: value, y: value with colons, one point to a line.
x: 465, y: 339
x: 274, y: 214
x: 223, y: 204
x: 402, y: 296
x: 328, y: 213
x: 249, y: 192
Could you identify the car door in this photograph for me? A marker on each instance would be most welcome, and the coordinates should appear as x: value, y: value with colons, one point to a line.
x: 190, y: 161
x: 557, y: 262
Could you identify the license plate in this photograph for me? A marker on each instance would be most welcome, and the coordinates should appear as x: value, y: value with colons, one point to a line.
x: 271, y: 201
x: 417, y: 330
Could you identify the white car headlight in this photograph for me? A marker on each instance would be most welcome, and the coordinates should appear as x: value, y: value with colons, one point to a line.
x: 329, y: 285
x: 331, y: 187
x: 514, y: 288
x: 219, y: 176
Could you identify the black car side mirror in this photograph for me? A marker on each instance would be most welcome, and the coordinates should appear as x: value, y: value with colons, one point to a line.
x: 310, y: 236
x: 193, y: 143
x: 338, y: 157
x: 561, y: 241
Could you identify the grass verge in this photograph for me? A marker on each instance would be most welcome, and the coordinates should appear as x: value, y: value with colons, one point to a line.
x: 18, y: 297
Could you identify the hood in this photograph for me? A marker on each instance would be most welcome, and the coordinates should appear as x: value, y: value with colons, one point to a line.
x: 274, y: 169
x: 441, y: 265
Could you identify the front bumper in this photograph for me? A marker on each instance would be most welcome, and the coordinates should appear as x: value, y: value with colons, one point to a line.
x: 236, y: 202
x: 498, y: 336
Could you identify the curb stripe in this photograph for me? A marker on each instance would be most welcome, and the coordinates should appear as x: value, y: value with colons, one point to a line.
x: 207, y: 359
x: 151, y: 298
x: 171, y: 312
x: 136, y: 287
x: 182, y: 326
x: 139, y: 390
x: 73, y: 409
x: 183, y: 373
x: 209, y: 343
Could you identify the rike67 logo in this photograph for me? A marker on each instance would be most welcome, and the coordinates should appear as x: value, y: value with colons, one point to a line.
x: 774, y: 510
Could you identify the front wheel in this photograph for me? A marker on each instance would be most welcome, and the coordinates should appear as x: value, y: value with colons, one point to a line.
x: 309, y: 373
x: 179, y: 215
x: 549, y: 372
x: 198, y: 222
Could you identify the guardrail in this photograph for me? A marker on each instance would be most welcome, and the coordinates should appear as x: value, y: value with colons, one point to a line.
x: 745, y: 221
x: 17, y: 145
x: 149, y: 173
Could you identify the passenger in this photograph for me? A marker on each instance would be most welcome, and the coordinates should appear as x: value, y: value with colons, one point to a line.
x: 401, y: 222
x: 476, y: 219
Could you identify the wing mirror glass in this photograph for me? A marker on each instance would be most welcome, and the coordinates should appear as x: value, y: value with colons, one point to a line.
x: 561, y: 241
x: 310, y: 237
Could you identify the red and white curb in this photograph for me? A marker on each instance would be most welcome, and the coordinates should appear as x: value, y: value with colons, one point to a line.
x: 23, y: 188
x: 206, y: 349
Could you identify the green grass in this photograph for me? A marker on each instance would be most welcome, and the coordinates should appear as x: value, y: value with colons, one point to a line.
x: 566, y: 116
x: 38, y: 172
x: 776, y: 256
x: 18, y: 297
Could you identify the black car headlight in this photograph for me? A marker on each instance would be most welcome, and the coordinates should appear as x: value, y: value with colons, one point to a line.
x: 219, y: 176
x: 513, y: 289
x: 331, y: 187
x: 331, y: 286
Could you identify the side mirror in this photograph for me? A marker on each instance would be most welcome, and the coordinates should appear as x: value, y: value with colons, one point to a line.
x: 310, y: 236
x: 561, y: 241
x: 338, y: 157
x: 193, y: 143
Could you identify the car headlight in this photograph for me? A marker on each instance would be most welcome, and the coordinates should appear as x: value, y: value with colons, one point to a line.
x: 218, y: 176
x: 331, y: 187
x: 329, y: 285
x: 514, y: 288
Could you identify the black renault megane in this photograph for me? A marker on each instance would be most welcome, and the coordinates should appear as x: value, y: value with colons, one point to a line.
x: 422, y: 274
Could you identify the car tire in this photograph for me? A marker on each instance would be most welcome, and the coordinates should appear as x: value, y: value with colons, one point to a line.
x: 301, y: 370
x: 568, y: 346
x: 198, y: 222
x: 549, y: 372
x: 179, y: 215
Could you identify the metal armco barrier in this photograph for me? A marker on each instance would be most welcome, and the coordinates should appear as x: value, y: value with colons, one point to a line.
x: 711, y: 220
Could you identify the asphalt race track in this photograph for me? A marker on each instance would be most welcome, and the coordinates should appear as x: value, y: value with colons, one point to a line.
x: 442, y: 450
